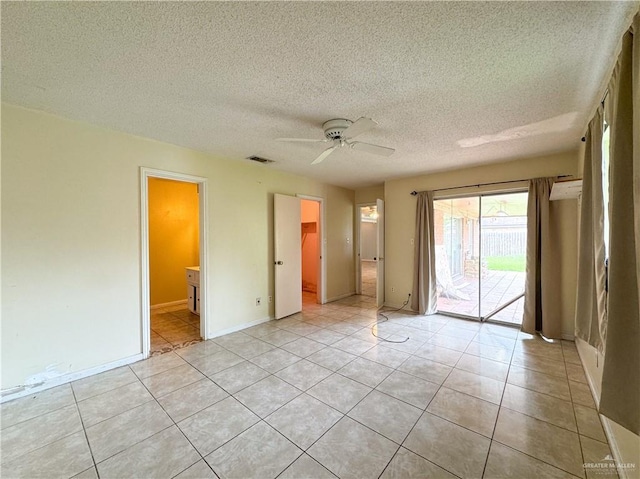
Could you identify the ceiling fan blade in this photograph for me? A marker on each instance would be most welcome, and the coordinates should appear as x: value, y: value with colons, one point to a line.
x: 358, y: 127
x: 369, y: 148
x: 323, y: 155
x: 302, y: 140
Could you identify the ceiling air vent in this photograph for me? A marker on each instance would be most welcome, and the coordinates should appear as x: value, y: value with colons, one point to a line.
x: 259, y: 159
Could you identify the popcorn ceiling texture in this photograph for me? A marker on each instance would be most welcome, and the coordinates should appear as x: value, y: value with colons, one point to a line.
x: 449, y: 83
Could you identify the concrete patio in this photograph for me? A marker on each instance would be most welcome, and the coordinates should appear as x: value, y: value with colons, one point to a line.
x: 498, y: 287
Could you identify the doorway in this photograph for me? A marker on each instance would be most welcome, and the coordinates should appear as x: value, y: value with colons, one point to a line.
x: 173, y: 256
x: 310, y: 251
x: 368, y: 250
x: 480, y: 247
x: 290, y: 230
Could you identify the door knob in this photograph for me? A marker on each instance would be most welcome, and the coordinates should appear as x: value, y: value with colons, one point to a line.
x: 279, y: 262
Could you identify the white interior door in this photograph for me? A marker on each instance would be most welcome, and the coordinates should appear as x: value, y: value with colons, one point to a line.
x: 380, y: 254
x: 287, y: 255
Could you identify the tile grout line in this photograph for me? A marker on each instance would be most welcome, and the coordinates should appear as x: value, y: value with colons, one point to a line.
x: 546, y: 422
x: 373, y: 345
x: 495, y: 425
x: 162, y: 430
x: 38, y: 415
x: 84, y: 430
x: 351, y: 409
x: 575, y: 417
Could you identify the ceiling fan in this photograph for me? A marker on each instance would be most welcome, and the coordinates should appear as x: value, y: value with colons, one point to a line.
x: 340, y: 132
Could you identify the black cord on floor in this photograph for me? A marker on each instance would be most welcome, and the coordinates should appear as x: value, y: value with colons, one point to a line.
x: 386, y: 318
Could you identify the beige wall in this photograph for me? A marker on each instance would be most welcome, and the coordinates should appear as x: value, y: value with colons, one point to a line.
x: 369, y: 194
x: 400, y: 218
x: 565, y: 215
x: 71, y: 278
x: 173, y: 238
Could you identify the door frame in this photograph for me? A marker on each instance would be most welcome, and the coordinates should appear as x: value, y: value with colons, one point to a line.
x: 145, y: 174
x: 358, y: 236
x: 321, y: 295
x: 380, y: 252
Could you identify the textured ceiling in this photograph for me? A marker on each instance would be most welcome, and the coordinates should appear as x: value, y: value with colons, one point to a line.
x: 450, y: 83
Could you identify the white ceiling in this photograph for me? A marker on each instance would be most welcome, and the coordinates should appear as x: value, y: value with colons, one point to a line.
x: 448, y: 82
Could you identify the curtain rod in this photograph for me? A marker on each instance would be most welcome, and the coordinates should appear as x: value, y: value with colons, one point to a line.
x: 414, y: 192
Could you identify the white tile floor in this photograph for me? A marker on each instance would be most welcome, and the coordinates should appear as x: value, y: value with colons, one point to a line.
x: 368, y: 274
x: 316, y: 395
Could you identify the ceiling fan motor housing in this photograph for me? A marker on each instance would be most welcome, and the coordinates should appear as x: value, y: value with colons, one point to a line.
x: 333, y: 129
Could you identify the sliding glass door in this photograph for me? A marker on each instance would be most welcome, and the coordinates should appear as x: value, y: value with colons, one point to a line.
x: 457, y: 243
x: 480, y: 256
x: 503, y: 251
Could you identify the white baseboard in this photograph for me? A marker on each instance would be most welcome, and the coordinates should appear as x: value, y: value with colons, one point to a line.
x: 398, y: 306
x: 21, y: 391
x: 613, y: 445
x: 169, y: 304
x: 583, y: 349
x: 341, y: 296
x: 612, y: 437
x: 240, y: 327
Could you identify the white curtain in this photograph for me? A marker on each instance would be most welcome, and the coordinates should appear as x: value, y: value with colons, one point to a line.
x: 542, y: 296
x: 424, y: 298
x: 620, y: 399
x: 591, y: 315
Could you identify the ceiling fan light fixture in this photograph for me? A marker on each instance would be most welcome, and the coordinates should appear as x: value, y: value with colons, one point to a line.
x: 340, y: 131
x: 333, y: 129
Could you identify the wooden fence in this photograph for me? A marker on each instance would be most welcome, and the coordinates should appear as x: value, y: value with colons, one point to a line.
x: 504, y: 243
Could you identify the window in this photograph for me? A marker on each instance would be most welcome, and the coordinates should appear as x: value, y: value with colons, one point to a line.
x: 605, y: 186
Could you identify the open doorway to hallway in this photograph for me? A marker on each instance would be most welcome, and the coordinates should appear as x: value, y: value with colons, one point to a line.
x: 368, y: 250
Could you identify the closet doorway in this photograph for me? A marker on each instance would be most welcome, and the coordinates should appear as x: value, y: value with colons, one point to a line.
x: 173, y: 255
x: 311, y: 250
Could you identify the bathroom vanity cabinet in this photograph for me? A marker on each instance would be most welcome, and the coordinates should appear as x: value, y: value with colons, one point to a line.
x: 193, y: 289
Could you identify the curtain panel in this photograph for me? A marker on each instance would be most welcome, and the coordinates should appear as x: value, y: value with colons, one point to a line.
x: 542, y: 296
x: 620, y: 399
x: 591, y: 315
x: 424, y: 298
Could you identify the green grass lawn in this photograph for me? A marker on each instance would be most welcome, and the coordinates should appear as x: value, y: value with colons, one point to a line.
x: 506, y: 263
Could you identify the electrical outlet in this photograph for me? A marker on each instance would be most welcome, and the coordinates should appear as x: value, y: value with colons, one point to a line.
x: 258, y: 301
x: 411, y: 241
x: 393, y: 290
x: 270, y: 299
